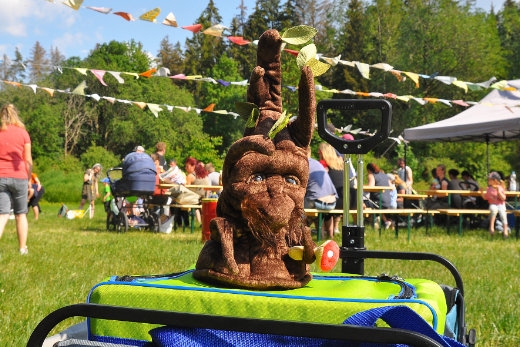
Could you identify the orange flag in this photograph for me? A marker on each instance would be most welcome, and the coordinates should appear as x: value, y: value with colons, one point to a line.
x: 14, y: 84
x: 141, y: 105
x: 295, y: 53
x: 148, y: 73
x: 432, y: 100
x: 209, y: 108
x: 125, y: 15
x: 362, y: 94
x: 193, y: 28
x: 50, y: 91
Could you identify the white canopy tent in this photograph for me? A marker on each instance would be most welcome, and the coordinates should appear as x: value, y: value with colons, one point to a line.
x: 480, y: 123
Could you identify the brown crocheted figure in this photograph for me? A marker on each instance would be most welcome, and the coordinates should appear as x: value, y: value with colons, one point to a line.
x: 260, y: 211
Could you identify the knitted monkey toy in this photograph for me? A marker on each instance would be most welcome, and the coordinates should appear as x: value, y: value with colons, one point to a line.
x: 260, y: 213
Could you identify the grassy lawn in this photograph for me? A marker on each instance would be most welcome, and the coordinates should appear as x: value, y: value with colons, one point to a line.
x: 68, y: 257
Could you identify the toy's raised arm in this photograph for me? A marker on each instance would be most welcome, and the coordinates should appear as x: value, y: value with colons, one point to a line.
x: 302, y: 128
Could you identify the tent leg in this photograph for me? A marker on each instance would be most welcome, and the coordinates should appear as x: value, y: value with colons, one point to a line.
x: 487, y: 148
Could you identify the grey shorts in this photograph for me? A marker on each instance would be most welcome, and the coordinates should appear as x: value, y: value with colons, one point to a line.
x: 13, y: 191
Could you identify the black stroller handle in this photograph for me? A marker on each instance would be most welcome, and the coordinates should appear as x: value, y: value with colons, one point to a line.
x: 362, y: 146
x: 113, y: 169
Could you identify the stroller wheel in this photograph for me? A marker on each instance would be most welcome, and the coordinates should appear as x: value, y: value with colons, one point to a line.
x: 111, y: 221
x: 122, y: 223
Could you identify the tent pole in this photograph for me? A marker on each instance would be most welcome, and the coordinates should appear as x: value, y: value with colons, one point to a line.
x: 487, y: 147
x: 405, y: 150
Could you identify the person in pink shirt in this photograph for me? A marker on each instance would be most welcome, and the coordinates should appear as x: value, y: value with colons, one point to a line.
x: 496, y: 197
x: 15, y: 171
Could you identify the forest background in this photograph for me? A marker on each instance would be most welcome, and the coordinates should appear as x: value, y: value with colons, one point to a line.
x: 70, y: 133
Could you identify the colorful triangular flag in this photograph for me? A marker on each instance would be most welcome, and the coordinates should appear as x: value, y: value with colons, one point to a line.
x: 193, y: 28
x: 151, y: 15
x: 125, y: 15
x: 80, y: 89
x: 74, y: 4
x: 99, y: 74
x: 103, y: 10
x: 170, y: 20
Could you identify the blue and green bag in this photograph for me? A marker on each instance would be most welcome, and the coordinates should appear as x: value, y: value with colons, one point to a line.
x: 327, y: 299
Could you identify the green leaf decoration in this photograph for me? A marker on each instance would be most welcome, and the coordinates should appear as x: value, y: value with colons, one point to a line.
x: 299, y: 35
x: 244, y: 109
x: 306, y: 53
x: 249, y: 112
x: 279, y: 125
x: 251, y: 122
x: 318, y: 68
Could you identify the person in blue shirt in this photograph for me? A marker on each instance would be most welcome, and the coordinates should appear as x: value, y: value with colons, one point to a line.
x: 321, y: 193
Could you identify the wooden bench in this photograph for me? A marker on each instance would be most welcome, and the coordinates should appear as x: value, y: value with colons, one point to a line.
x: 367, y: 212
x: 460, y: 213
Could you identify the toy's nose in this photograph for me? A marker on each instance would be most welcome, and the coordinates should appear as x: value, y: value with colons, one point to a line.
x: 275, y: 185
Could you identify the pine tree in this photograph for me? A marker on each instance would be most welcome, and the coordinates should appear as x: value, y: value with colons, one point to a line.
x: 56, y: 57
x: 203, y: 51
x: 39, y: 62
x: 170, y: 56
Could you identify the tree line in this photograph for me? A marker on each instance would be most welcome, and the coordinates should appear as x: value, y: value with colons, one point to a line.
x: 451, y: 38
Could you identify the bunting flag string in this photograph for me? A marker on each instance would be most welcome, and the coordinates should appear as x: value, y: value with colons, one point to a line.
x: 164, y: 72
x: 364, y: 68
x: 154, y: 108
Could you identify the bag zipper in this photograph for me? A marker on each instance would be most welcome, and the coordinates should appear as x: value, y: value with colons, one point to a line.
x: 407, y: 291
x: 130, y: 278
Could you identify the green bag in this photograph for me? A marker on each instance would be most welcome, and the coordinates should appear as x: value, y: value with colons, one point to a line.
x: 328, y: 299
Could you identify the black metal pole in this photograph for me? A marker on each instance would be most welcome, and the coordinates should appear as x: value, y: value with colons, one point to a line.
x: 487, y: 147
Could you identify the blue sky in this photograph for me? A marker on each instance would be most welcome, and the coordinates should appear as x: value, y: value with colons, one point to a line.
x: 75, y: 33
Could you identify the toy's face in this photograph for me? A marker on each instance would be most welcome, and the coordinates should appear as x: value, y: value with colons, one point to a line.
x: 270, y: 188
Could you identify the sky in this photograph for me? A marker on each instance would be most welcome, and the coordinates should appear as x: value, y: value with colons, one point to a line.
x: 75, y: 33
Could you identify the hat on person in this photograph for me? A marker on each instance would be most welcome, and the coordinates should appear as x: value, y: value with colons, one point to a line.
x: 105, y: 180
x: 138, y: 148
x: 348, y: 137
x: 494, y: 175
x: 391, y: 177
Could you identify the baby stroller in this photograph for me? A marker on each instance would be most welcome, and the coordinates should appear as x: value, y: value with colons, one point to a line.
x: 138, y: 182
x: 352, y: 253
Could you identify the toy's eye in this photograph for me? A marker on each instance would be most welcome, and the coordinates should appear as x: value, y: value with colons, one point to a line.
x: 257, y: 178
x: 290, y: 180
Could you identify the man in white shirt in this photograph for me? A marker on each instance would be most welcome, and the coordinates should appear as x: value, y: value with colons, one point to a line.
x: 174, y: 174
x: 213, y: 176
x: 401, y: 173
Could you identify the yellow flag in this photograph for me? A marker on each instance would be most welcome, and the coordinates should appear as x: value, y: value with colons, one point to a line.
x: 75, y: 4
x: 80, y: 89
x: 414, y: 77
x: 155, y: 109
x: 131, y: 74
x: 461, y: 84
x: 82, y: 71
x: 151, y: 15
x: 215, y: 30
x: 193, y: 77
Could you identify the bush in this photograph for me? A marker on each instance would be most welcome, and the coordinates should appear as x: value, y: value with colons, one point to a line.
x: 66, y: 164
x: 96, y: 154
x: 62, y: 187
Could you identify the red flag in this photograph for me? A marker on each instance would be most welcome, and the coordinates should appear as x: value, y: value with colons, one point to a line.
x: 295, y: 53
x: 239, y: 40
x: 193, y: 28
x: 125, y: 15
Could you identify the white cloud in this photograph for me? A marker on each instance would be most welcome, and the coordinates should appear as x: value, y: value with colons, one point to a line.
x: 69, y: 40
x: 3, y: 49
x: 15, y: 14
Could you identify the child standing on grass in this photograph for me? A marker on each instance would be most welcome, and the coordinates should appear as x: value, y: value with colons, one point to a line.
x: 496, y: 197
x: 107, y: 194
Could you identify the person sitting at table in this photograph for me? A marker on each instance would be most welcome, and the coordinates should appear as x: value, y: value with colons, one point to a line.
x: 377, y: 178
x: 439, y: 201
x: 335, y: 170
x: 469, y: 182
x: 158, y: 197
x: 455, y: 184
x: 196, y: 175
x: 320, y: 193
x: 400, y: 187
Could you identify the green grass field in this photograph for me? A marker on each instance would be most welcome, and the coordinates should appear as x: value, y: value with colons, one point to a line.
x: 68, y: 257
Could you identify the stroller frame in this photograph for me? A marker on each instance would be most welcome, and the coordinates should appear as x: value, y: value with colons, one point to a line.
x: 352, y: 252
x: 119, y: 222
